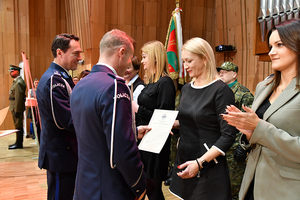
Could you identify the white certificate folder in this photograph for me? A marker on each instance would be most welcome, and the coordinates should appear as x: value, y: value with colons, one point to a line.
x: 161, y: 123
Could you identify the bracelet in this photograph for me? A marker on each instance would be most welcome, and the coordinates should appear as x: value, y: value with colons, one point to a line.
x: 198, y: 175
x: 201, y: 162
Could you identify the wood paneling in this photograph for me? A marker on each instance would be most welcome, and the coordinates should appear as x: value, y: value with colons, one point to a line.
x: 235, y: 20
x: 14, y: 38
x: 30, y: 25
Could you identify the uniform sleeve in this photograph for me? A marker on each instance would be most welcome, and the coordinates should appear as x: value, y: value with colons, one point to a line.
x: 165, y: 99
x: 61, y: 104
x: 247, y: 99
x: 20, y: 97
x: 126, y: 157
x: 224, y: 97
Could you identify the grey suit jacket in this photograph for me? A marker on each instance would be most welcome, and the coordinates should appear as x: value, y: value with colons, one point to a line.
x: 275, y: 160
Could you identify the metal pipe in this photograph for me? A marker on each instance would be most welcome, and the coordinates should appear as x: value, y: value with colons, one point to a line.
x: 296, y: 8
x: 269, y: 15
x: 262, y: 18
x: 282, y: 10
x: 289, y: 9
x: 276, y: 12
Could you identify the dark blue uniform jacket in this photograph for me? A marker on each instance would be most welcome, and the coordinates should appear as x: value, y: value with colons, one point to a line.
x: 109, y: 165
x: 58, y: 144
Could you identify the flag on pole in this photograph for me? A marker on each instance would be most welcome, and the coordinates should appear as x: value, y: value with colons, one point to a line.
x: 173, y: 46
x: 29, y: 83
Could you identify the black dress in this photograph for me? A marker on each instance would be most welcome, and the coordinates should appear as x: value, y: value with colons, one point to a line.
x: 200, y: 123
x: 159, y: 95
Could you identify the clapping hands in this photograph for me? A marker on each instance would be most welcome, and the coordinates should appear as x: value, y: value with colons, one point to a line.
x: 245, y: 122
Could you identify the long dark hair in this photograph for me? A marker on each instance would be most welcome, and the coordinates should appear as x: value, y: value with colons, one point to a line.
x: 289, y: 33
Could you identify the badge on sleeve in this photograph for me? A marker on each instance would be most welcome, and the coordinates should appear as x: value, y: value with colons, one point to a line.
x: 64, y: 74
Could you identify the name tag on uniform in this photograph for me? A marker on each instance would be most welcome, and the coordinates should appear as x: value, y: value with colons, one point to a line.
x: 123, y: 95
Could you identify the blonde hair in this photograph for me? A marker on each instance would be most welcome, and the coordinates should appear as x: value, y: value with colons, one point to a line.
x: 157, y: 60
x: 203, y: 49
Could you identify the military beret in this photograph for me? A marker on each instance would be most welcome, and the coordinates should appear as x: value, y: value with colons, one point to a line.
x: 228, y: 66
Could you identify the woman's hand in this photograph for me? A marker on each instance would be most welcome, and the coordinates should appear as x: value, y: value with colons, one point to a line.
x: 142, y: 130
x: 191, y: 169
x: 176, y: 124
x: 135, y: 107
x: 245, y: 122
x: 142, y: 195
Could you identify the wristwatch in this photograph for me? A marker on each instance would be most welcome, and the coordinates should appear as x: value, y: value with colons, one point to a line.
x: 203, y: 163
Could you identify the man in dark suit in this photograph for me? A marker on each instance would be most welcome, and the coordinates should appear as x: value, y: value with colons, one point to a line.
x: 58, y: 143
x: 109, y: 164
x: 17, y: 104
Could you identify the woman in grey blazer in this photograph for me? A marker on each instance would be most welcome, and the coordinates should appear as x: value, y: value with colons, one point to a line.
x: 272, y: 126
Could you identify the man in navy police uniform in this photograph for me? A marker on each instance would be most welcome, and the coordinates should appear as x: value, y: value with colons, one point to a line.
x: 58, y: 144
x: 109, y: 164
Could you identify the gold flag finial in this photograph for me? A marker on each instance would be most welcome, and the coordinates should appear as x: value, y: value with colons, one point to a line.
x: 177, y: 3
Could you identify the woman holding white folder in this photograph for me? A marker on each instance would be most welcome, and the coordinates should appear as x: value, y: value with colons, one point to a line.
x: 200, y: 169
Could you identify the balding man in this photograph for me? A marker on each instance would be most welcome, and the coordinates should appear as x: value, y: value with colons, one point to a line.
x: 109, y: 165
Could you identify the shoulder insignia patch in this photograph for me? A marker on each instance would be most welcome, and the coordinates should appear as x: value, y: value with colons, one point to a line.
x: 123, y: 95
x: 58, y: 85
x: 64, y: 74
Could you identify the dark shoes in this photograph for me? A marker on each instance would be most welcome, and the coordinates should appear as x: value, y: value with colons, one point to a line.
x: 168, y: 181
x: 169, y: 175
x: 15, y: 146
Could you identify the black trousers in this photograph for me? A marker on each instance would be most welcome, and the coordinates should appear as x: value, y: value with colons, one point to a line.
x: 60, y: 185
x: 250, y: 195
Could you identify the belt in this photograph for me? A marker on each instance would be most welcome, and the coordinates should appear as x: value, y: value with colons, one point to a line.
x: 11, y: 98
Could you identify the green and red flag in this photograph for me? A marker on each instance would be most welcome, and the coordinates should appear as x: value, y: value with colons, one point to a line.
x: 173, y: 46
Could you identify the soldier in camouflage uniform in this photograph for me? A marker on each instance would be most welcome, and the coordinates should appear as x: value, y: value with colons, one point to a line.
x: 236, y: 156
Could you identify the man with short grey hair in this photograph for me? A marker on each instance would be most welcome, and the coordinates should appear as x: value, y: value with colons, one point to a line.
x: 109, y: 165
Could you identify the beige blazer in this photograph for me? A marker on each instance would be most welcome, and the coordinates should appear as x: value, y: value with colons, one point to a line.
x: 275, y: 160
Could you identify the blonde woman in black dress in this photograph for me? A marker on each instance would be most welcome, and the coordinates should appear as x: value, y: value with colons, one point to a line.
x: 159, y: 93
x: 196, y: 174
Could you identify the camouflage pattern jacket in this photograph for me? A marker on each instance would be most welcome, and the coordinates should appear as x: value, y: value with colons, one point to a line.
x: 242, y: 95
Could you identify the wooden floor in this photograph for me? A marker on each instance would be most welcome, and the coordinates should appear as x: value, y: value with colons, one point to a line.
x: 21, y: 179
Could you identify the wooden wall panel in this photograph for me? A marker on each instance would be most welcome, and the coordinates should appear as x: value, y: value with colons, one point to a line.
x: 14, y: 39
x: 31, y: 25
x: 239, y: 33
